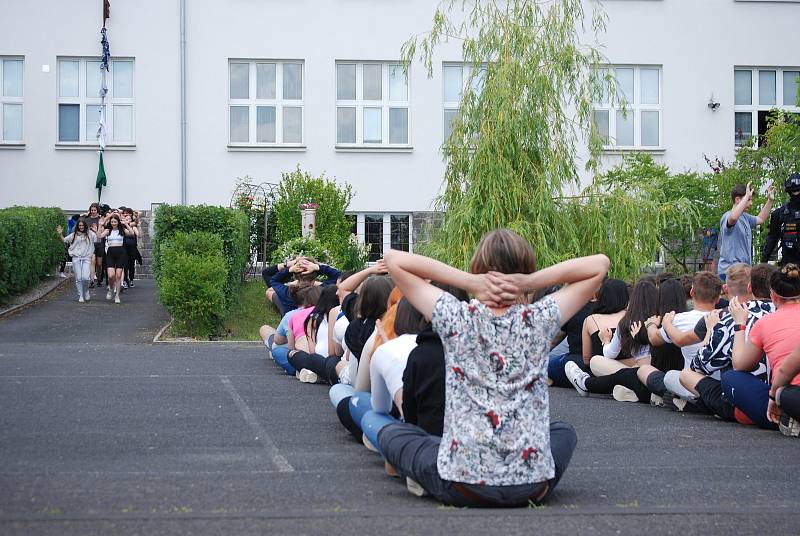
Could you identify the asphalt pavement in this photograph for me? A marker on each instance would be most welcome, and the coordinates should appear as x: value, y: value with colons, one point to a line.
x: 103, y: 432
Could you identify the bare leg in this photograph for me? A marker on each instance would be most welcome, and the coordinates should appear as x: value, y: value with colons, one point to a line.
x: 110, y: 278
x: 269, y: 294
x: 690, y: 379
x: 644, y: 372
x: 265, y: 331
x: 118, y: 275
x: 603, y: 366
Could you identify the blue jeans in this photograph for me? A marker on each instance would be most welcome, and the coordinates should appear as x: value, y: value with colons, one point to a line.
x: 360, y: 403
x: 555, y: 368
x: 750, y: 395
x: 281, y: 356
x: 413, y: 453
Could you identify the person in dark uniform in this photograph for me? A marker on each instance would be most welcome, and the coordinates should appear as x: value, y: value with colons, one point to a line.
x: 784, y: 224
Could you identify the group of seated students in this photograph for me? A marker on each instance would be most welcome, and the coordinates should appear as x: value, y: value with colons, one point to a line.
x: 736, y: 357
x: 452, y: 392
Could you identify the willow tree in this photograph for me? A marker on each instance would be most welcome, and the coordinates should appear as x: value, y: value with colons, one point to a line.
x: 512, y: 152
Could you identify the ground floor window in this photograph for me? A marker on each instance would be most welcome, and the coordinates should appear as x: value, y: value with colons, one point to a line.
x: 383, y: 231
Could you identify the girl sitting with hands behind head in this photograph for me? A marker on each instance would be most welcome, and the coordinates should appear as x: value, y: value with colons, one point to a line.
x: 498, y: 447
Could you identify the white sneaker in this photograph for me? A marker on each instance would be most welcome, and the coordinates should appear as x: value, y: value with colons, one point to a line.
x: 656, y: 400
x: 109, y: 294
x: 62, y: 275
x: 116, y: 298
x: 789, y: 427
x: 573, y: 373
x: 80, y: 299
x: 88, y: 296
x: 367, y: 443
x: 306, y: 376
x: 623, y: 394
x: 414, y: 488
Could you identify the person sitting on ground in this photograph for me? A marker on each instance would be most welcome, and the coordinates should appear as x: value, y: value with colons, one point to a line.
x: 784, y: 396
x: 624, y: 384
x: 702, y: 378
x: 81, y: 248
x: 706, y: 289
x: 305, y: 271
x: 572, y: 333
x: 737, y: 226
x: 498, y: 446
x: 609, y: 309
x: 776, y: 335
x: 296, y: 334
x: 322, y: 360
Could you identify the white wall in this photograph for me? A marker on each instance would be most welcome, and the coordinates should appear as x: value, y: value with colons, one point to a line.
x: 697, y: 42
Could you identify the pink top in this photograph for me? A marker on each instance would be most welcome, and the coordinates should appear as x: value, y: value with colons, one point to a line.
x: 297, y: 322
x: 778, y: 336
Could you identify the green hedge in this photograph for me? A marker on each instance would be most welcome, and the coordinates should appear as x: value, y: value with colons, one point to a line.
x: 29, y: 247
x: 231, y: 225
x: 192, y: 282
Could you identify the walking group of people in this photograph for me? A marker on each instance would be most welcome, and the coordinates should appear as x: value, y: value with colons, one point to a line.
x: 103, y: 246
x: 453, y: 392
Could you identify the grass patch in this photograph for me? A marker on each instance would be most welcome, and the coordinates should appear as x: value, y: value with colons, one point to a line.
x: 249, y: 312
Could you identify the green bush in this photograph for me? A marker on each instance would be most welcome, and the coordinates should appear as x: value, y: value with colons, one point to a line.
x: 29, y: 247
x: 307, y: 247
x: 231, y: 225
x: 333, y: 228
x: 192, y: 280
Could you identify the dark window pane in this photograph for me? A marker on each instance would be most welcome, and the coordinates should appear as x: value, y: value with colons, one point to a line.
x: 353, y: 219
x: 373, y: 235
x: 399, y: 238
x: 69, y: 122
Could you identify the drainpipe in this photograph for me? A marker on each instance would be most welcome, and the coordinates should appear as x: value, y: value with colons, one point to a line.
x: 183, y: 102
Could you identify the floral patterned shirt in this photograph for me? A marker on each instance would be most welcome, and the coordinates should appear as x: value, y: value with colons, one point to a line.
x: 497, y: 415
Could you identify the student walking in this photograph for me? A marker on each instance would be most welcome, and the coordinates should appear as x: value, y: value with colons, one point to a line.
x: 114, y: 231
x: 737, y: 225
x: 81, y: 248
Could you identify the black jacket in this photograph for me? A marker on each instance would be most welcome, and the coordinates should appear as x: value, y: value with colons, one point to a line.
x: 423, y: 384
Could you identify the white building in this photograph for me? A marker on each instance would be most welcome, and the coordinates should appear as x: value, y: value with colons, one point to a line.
x: 270, y: 85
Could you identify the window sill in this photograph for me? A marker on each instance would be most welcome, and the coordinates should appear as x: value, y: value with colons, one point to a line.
x: 627, y: 150
x: 233, y: 147
x: 12, y: 145
x: 374, y: 149
x: 88, y: 147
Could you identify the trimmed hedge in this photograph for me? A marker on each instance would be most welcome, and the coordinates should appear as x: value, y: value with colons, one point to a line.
x: 29, y: 247
x: 231, y: 225
x: 192, y: 282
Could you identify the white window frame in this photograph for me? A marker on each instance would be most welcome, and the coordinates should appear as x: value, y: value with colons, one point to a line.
x: 635, y: 109
x: 754, y: 107
x: 360, y: 104
x: 279, y: 103
x: 387, y: 228
x: 12, y: 100
x: 85, y: 101
x: 455, y: 106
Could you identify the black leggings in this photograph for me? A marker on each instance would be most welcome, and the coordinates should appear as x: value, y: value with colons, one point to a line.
x: 790, y: 401
x: 324, y: 367
x: 626, y: 377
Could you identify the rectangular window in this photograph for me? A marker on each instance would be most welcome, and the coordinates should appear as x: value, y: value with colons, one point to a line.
x: 80, y: 82
x: 456, y: 77
x: 383, y: 232
x: 265, y: 102
x: 639, y: 125
x: 757, y: 90
x: 372, y: 104
x: 11, y: 90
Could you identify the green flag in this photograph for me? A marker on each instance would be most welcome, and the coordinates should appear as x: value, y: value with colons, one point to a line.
x: 101, y: 178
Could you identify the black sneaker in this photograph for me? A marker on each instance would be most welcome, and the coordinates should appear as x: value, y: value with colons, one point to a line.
x: 131, y: 285
x: 91, y: 283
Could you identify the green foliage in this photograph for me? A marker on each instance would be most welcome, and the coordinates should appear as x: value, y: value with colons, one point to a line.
x: 333, y: 228
x: 307, y: 247
x: 29, y: 247
x: 353, y: 255
x: 231, y: 225
x: 254, y: 201
x: 192, y: 282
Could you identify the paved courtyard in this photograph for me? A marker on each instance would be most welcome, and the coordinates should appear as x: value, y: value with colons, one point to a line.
x: 103, y: 432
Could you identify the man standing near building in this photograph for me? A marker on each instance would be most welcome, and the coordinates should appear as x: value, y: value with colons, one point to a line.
x: 783, y: 225
x: 736, y: 227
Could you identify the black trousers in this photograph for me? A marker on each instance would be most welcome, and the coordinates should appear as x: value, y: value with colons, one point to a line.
x: 626, y: 377
x: 324, y: 367
x: 790, y: 401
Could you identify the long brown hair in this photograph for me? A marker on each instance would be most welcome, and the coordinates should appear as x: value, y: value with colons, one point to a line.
x: 504, y: 251
x: 75, y: 231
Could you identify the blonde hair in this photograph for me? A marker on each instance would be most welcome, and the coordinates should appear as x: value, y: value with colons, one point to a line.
x: 737, y: 277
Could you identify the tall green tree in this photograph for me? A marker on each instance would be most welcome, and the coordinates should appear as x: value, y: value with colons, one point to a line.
x: 511, y: 156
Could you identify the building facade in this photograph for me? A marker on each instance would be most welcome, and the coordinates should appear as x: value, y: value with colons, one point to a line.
x: 271, y: 85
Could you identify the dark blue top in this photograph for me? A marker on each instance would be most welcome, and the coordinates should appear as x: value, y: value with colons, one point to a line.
x: 278, y: 284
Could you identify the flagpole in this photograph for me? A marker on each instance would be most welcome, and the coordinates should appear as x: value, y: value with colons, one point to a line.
x: 101, y: 128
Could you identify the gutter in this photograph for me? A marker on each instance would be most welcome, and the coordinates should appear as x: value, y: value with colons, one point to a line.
x: 183, y: 102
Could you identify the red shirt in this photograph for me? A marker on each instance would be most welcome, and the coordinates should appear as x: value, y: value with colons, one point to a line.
x: 778, y: 334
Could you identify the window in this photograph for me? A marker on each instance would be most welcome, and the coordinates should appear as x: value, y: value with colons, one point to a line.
x: 372, y: 105
x: 455, y: 77
x: 79, y: 102
x: 11, y: 70
x: 265, y: 103
x: 640, y: 127
x: 384, y: 232
x: 756, y: 92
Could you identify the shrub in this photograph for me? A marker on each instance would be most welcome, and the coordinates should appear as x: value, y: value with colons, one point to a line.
x: 308, y: 247
x: 231, y: 225
x: 29, y: 247
x: 353, y: 256
x: 192, y: 281
x: 333, y: 228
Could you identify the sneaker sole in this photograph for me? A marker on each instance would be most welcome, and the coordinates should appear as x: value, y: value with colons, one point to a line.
x: 790, y: 430
x: 368, y: 443
x: 414, y: 488
x: 581, y: 392
x: 623, y: 394
x: 656, y: 400
x: 306, y: 376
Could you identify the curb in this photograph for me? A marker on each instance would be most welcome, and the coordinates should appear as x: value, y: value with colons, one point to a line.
x: 157, y: 339
x: 34, y: 296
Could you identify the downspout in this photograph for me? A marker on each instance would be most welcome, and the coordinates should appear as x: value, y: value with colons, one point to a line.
x: 183, y: 102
